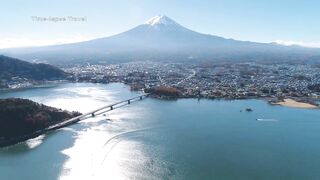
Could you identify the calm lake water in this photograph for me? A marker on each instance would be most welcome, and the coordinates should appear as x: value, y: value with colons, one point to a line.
x: 155, y: 139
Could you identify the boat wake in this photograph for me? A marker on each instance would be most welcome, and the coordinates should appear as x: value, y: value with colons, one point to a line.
x: 267, y: 120
x: 113, y: 141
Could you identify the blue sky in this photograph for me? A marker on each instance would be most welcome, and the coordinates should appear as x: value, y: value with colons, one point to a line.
x: 290, y: 21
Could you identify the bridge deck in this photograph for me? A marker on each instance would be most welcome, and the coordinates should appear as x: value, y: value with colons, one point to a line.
x: 95, y: 112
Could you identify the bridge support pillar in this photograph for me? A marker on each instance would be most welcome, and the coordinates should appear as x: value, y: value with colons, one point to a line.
x: 128, y: 101
x: 92, y: 115
x: 111, y: 107
x: 140, y: 97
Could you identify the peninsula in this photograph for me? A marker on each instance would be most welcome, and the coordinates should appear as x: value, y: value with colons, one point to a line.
x: 21, y: 118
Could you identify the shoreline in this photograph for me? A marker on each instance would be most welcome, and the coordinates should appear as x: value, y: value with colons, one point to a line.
x: 286, y: 102
x: 46, y: 84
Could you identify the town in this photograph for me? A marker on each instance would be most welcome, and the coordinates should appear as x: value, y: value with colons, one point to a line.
x: 223, y: 80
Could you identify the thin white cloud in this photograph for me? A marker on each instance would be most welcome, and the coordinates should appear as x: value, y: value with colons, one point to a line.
x: 12, y: 42
x: 300, y: 43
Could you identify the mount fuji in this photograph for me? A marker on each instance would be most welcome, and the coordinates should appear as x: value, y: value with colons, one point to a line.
x: 163, y: 39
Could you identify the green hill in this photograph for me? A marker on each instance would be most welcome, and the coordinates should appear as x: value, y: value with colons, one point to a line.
x: 11, y: 67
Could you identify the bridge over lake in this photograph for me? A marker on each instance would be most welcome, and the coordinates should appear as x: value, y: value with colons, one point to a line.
x: 74, y: 120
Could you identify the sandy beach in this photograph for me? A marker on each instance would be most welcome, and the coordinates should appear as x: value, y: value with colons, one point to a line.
x: 295, y: 104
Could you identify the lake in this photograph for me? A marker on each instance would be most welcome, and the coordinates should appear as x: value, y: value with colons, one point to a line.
x: 160, y: 139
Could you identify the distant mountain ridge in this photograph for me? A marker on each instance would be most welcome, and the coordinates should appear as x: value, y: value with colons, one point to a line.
x: 162, y: 39
x: 11, y: 67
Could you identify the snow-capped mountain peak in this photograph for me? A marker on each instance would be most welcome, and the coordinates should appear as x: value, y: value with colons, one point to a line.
x: 160, y: 20
x: 162, y: 39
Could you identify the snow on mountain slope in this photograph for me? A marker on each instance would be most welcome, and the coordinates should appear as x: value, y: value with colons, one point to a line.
x: 161, y: 20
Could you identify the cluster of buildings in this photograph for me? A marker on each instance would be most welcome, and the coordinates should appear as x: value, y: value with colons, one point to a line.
x: 21, y: 82
x: 210, y: 80
x: 15, y: 83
